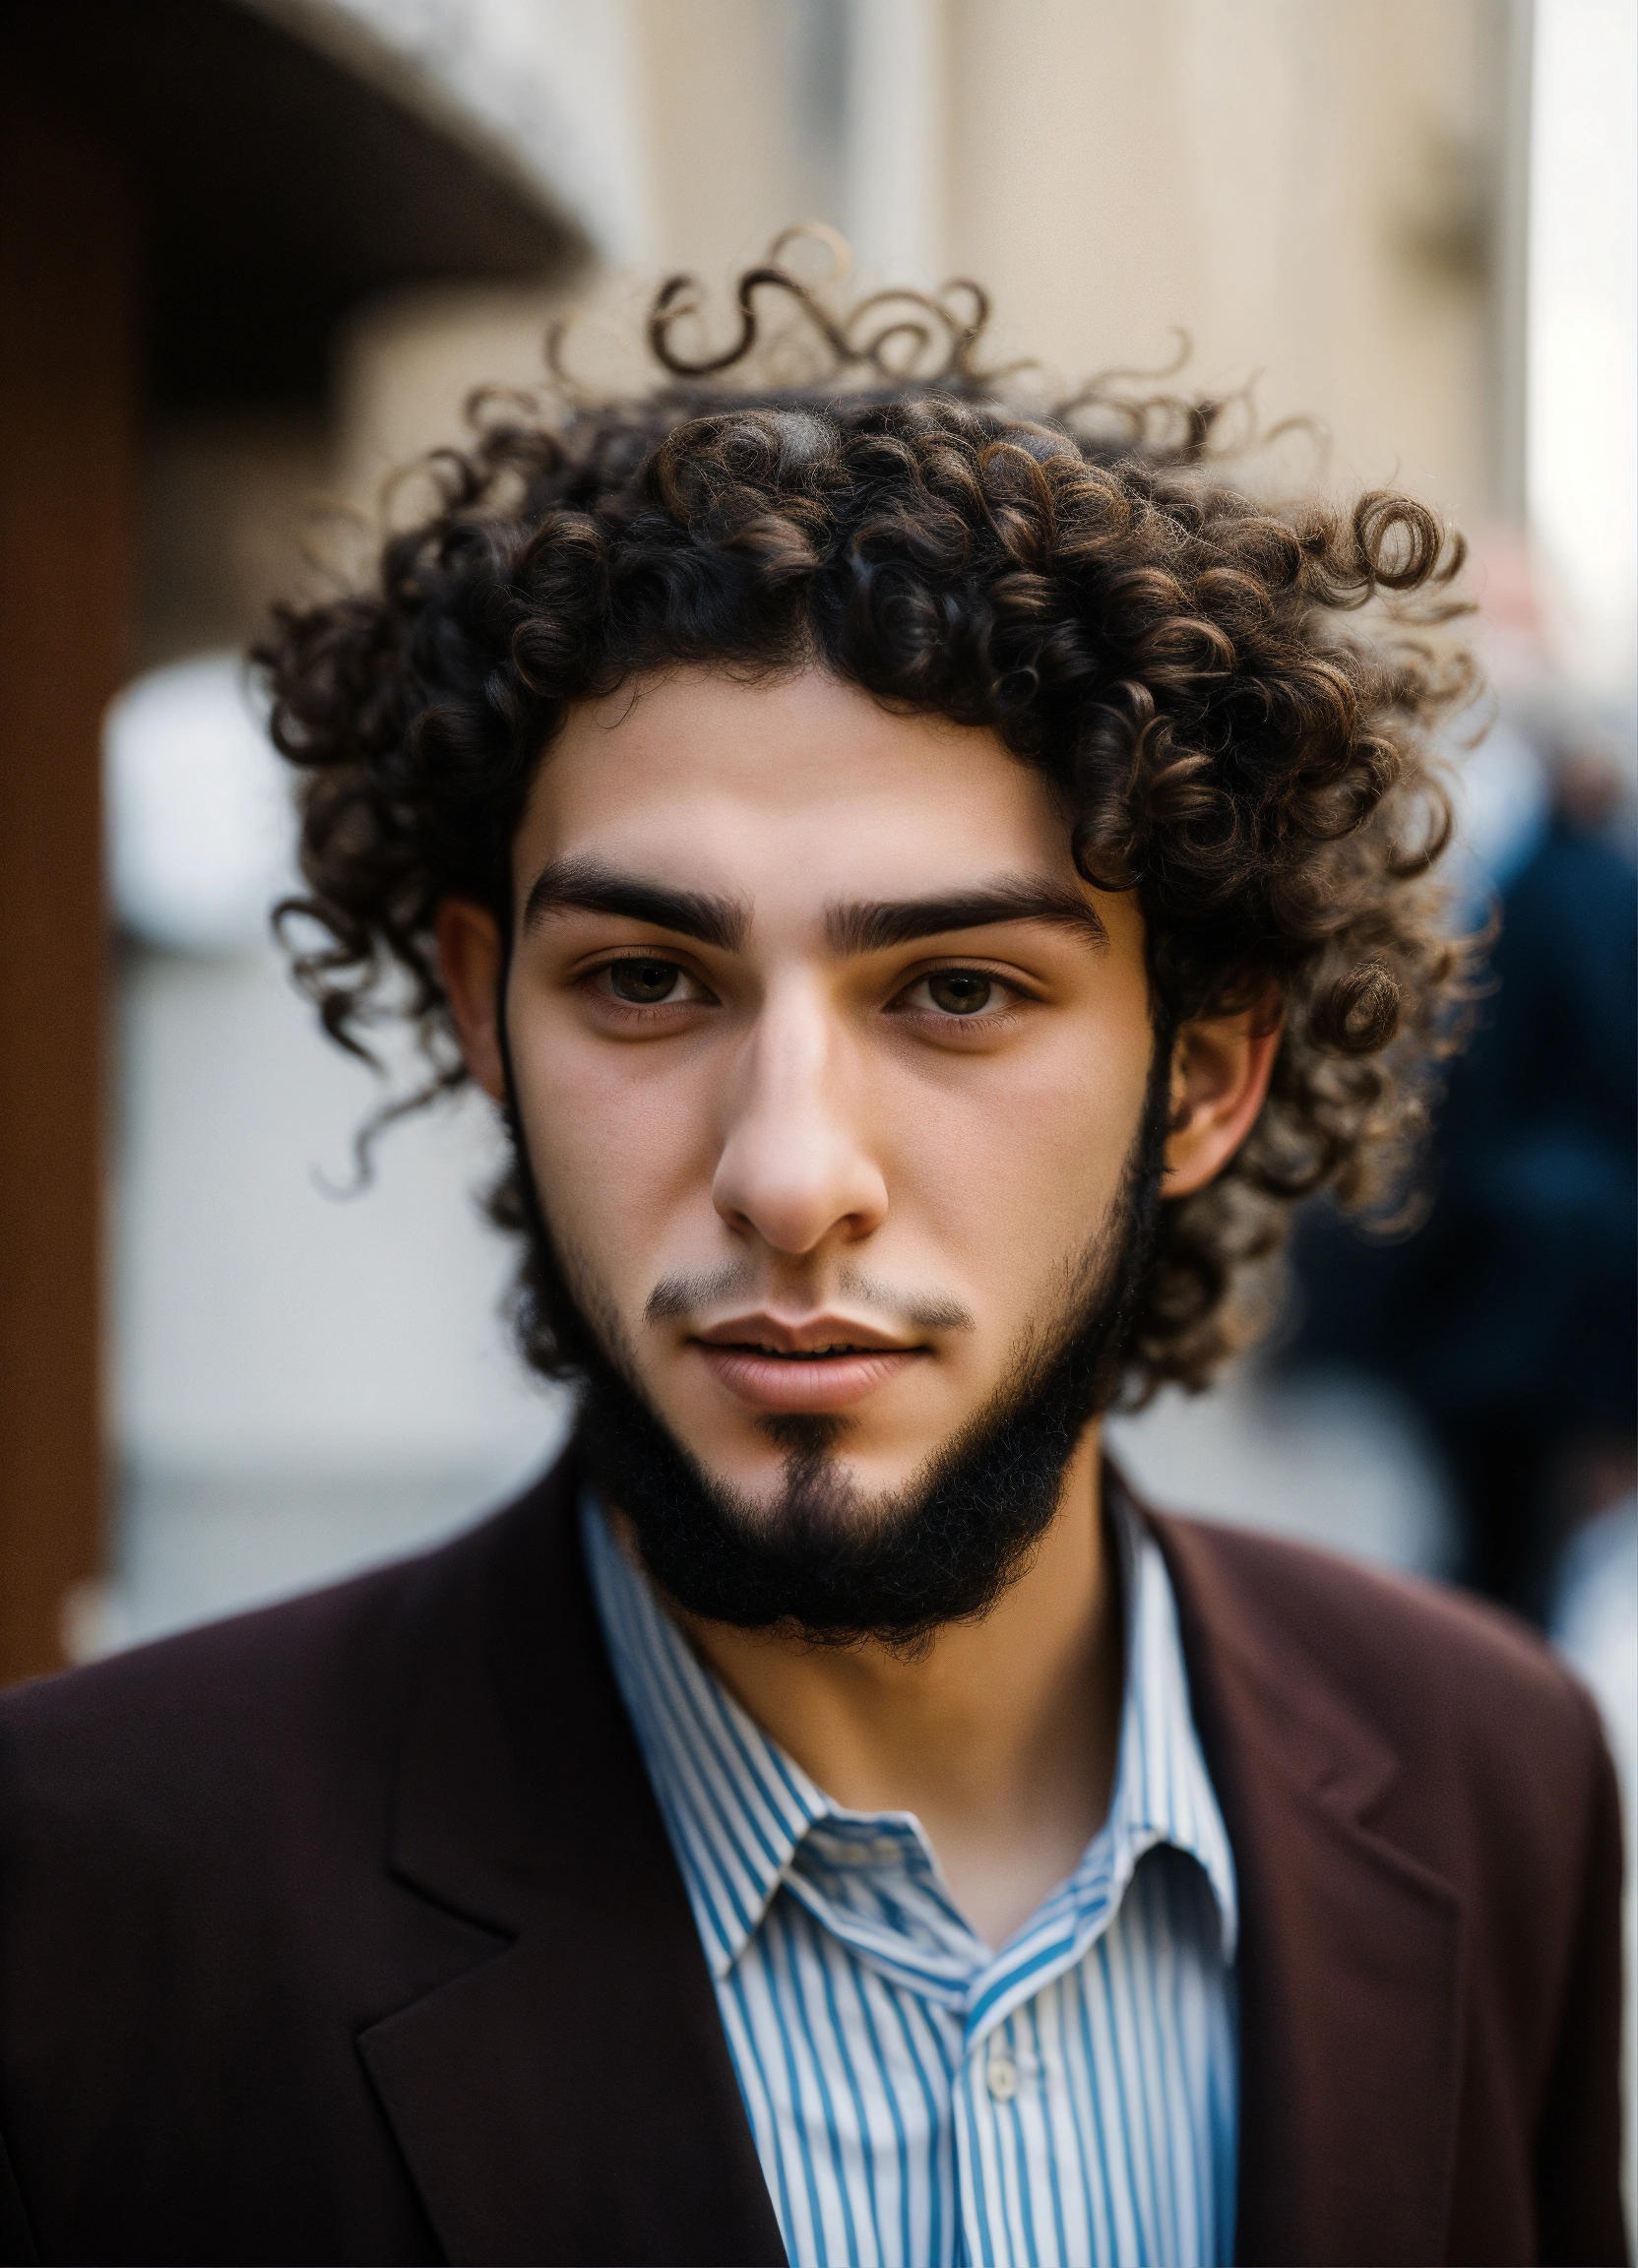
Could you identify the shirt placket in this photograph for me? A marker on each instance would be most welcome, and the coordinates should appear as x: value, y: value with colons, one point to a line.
x: 992, y: 2098
x: 1008, y: 2211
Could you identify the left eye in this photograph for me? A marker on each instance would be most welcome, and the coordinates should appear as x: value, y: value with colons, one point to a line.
x: 957, y: 991
x: 645, y: 983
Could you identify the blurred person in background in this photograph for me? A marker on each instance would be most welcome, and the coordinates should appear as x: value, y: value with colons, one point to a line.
x: 929, y: 878
x: 1509, y: 1318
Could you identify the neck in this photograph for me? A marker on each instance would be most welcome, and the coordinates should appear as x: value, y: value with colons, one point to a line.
x: 999, y: 1736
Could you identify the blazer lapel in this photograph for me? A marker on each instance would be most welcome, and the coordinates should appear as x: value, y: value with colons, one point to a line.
x: 571, y: 2098
x: 1349, y: 1961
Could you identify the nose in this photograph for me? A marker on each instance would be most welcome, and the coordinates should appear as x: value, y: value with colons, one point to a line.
x: 795, y: 1167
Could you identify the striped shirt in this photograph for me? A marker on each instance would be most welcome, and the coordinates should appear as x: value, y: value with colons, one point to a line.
x: 916, y: 2097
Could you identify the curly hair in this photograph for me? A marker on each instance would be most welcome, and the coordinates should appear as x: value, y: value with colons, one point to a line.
x: 1236, y: 700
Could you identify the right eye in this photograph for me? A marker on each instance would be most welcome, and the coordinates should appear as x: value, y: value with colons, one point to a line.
x: 646, y: 982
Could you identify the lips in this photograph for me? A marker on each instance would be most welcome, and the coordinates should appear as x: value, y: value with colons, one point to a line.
x: 822, y: 1365
x: 806, y: 1380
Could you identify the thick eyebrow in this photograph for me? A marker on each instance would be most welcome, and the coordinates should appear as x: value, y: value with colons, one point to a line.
x: 588, y: 886
x: 873, y: 925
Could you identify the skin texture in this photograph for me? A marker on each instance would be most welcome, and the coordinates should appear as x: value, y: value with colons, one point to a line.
x: 798, y: 1140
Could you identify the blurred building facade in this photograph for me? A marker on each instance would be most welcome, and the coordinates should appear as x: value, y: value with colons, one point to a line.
x: 287, y: 238
x: 1330, y: 197
x: 192, y: 196
x: 1327, y: 201
x: 1333, y: 204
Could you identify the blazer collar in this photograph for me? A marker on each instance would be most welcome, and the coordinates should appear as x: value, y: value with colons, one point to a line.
x: 1350, y: 1949
x: 571, y: 2098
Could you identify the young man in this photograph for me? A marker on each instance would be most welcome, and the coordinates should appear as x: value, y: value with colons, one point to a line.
x: 927, y: 886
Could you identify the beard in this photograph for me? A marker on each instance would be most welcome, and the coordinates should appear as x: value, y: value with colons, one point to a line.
x: 823, y: 1562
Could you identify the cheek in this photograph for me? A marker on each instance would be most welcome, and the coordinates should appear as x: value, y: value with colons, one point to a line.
x: 618, y: 1140
x: 1014, y: 1168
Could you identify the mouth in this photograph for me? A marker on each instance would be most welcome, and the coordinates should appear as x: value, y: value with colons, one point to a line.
x: 834, y: 1350
x: 817, y: 1366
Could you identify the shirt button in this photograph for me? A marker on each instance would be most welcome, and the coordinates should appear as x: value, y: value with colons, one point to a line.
x: 1002, y: 2075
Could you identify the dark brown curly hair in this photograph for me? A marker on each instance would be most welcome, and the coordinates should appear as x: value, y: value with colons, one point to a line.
x: 1236, y: 699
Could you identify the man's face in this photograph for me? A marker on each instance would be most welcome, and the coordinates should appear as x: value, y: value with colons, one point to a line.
x: 828, y: 1062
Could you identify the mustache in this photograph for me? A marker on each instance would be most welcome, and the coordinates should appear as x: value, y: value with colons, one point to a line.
x: 684, y: 1295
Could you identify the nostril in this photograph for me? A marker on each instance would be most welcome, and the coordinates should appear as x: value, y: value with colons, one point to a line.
x: 793, y: 1180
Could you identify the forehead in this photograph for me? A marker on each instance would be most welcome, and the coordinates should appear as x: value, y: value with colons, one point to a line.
x: 794, y: 787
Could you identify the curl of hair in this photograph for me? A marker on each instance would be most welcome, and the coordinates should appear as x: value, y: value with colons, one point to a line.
x: 1234, y: 699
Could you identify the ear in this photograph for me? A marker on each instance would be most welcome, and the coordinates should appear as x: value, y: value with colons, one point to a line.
x: 469, y: 961
x: 1220, y: 1073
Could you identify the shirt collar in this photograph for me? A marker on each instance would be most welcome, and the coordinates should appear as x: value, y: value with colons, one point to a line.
x: 1162, y: 1793
x: 737, y: 1807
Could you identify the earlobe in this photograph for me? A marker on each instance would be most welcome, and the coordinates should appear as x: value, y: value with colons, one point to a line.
x: 468, y: 961
x: 1221, y: 1068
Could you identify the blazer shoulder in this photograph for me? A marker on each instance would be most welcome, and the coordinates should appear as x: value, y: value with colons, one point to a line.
x: 1434, y: 1668
x: 235, y: 1703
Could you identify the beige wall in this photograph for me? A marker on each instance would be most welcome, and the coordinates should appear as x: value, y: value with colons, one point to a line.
x: 1309, y: 188
x: 731, y: 103
x: 1297, y: 184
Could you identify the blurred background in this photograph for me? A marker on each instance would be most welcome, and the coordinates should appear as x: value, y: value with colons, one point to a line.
x: 253, y: 256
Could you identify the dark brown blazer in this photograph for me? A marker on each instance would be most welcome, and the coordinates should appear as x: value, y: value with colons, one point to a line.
x: 348, y: 1932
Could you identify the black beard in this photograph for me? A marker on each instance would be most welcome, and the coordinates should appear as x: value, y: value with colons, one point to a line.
x: 822, y: 1562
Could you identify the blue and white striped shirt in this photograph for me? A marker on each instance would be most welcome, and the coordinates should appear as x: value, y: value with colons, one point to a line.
x: 918, y: 2099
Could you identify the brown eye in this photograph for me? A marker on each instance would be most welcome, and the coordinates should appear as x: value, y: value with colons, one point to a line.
x: 959, y: 991
x: 645, y: 983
